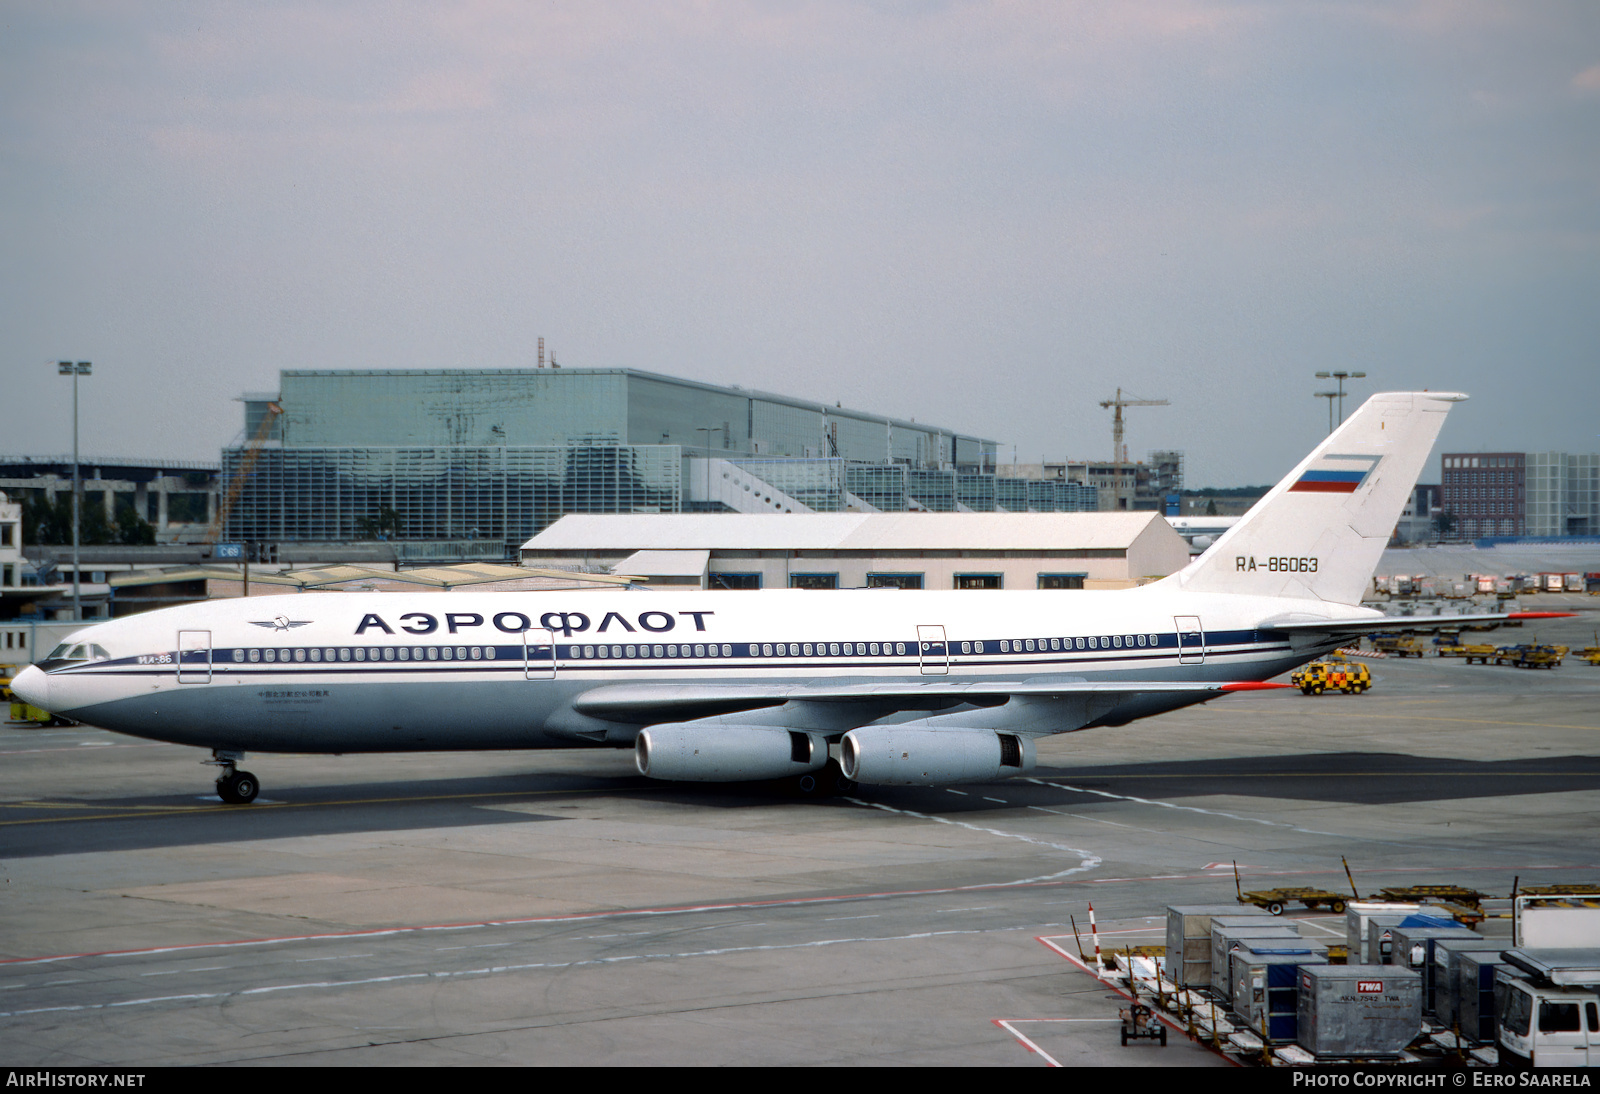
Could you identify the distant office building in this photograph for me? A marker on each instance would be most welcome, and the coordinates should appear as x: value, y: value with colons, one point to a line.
x: 1485, y: 492
x: 501, y: 454
x: 1563, y: 494
x: 1521, y: 493
x: 1100, y: 485
x: 178, y: 498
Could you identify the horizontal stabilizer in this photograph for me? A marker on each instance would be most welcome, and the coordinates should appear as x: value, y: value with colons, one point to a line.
x: 1369, y: 624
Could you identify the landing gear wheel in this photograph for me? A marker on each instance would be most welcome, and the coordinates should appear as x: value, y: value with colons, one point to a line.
x: 829, y: 782
x: 239, y: 788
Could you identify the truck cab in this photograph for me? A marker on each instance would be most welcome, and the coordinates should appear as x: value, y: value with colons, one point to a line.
x: 1547, y: 1025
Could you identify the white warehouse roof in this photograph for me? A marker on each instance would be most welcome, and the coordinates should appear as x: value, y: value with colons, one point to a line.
x: 867, y: 532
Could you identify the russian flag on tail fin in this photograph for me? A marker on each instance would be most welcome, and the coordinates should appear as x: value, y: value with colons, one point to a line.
x: 1319, y: 533
x: 1336, y: 474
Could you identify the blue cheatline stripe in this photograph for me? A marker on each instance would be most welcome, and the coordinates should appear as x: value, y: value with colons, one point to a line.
x: 506, y: 659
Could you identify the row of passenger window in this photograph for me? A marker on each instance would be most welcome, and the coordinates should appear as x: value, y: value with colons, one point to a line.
x: 369, y: 653
x: 579, y: 653
x: 765, y: 649
x: 829, y: 649
x: 1098, y: 642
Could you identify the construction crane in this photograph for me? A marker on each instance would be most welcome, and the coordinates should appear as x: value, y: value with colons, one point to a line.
x: 252, y: 453
x: 1119, y: 451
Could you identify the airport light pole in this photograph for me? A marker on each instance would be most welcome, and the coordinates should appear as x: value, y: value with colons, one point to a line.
x: 1330, y: 396
x: 1341, y: 377
x: 82, y: 368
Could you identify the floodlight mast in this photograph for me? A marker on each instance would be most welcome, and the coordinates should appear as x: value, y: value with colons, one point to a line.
x: 1341, y: 377
x: 81, y: 368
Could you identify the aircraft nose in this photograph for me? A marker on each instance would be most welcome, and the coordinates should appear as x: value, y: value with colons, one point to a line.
x: 32, y: 687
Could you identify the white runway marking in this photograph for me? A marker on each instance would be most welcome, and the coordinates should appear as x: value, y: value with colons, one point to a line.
x: 1088, y: 860
x: 494, y: 970
x: 1185, y: 808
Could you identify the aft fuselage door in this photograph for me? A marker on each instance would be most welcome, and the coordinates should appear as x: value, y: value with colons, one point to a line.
x: 194, y: 657
x: 538, y: 654
x: 1191, y: 640
x: 933, y: 652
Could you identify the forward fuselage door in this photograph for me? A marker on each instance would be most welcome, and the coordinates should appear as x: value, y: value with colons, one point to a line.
x: 538, y: 654
x: 1191, y: 640
x: 933, y: 651
x: 194, y: 657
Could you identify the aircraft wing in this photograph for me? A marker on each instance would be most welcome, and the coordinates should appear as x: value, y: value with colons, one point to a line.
x: 1369, y: 624
x: 631, y: 700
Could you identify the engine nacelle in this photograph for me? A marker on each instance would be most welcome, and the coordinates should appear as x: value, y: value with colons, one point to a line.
x: 686, y: 752
x: 918, y: 756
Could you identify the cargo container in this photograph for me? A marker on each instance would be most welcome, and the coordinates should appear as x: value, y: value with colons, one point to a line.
x: 1547, y: 920
x: 1226, y: 938
x: 1414, y: 949
x: 1381, y: 938
x: 1474, y: 1018
x: 1358, y: 1010
x: 1266, y: 989
x: 1356, y: 914
x: 1447, y: 952
x: 1189, y: 939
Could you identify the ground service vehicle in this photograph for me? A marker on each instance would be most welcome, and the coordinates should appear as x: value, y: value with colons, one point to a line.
x: 1548, y: 1007
x: 1531, y: 656
x: 1332, y: 674
x: 1400, y: 645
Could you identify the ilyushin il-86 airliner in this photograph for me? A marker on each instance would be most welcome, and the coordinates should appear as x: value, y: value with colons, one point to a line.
x: 826, y: 689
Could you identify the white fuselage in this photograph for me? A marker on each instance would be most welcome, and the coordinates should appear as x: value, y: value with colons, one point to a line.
x: 338, y: 672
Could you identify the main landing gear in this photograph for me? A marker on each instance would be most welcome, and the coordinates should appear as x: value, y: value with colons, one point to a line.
x: 233, y: 786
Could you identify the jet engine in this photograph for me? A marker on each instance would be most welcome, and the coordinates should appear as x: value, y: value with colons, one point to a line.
x: 686, y: 752
x: 919, y: 756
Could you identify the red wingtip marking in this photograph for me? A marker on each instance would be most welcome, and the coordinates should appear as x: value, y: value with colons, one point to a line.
x: 1540, y: 615
x: 1254, y: 685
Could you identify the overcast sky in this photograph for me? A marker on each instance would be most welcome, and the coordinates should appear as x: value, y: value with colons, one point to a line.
x: 986, y: 216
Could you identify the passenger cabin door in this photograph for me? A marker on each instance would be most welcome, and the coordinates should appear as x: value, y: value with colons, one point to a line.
x: 194, y: 657
x: 1191, y: 640
x: 538, y: 654
x: 933, y: 651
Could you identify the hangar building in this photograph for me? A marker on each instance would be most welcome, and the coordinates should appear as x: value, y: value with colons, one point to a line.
x: 877, y: 550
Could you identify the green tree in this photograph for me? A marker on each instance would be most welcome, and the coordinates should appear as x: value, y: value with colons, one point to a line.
x: 385, y: 525
x: 50, y: 524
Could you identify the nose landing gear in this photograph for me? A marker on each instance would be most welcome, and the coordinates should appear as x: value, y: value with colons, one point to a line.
x: 233, y: 786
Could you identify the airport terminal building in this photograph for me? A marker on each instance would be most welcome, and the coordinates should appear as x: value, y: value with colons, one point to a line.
x: 500, y: 454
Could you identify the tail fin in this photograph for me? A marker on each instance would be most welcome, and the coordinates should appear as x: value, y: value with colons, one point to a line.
x: 1319, y: 533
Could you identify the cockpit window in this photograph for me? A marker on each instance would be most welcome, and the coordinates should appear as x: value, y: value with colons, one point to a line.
x: 80, y: 652
x: 59, y: 652
x: 98, y: 652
